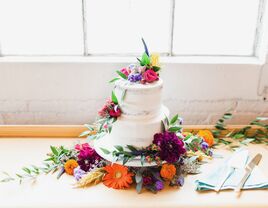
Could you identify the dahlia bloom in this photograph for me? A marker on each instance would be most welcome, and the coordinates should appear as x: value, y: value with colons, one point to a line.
x: 171, y: 147
x: 87, y: 157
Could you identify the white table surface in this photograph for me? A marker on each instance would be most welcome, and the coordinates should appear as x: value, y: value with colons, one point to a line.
x: 50, y: 192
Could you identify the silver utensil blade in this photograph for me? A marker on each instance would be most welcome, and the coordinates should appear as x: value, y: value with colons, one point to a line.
x: 249, y: 168
x: 255, y: 161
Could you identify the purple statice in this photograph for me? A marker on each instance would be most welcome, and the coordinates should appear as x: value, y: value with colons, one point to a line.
x: 159, y: 185
x: 171, y: 147
x: 78, y: 173
x: 87, y: 157
x: 134, y: 77
x: 180, y: 181
x: 204, y: 145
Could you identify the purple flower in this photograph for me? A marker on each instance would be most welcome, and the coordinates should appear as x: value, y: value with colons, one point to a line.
x: 204, y: 145
x: 78, y: 173
x: 180, y: 181
x: 159, y: 185
x: 171, y: 147
x: 147, y: 180
x: 134, y: 77
x: 87, y: 157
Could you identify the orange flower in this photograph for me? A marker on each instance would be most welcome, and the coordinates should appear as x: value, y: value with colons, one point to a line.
x: 69, y: 166
x: 117, y: 176
x: 207, y: 136
x: 168, y: 171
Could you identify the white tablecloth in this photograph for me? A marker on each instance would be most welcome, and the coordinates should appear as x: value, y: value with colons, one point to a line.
x: 50, y: 192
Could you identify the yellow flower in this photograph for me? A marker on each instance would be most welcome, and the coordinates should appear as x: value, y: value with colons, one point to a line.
x: 69, y: 166
x: 207, y: 136
x: 168, y: 171
x: 155, y: 59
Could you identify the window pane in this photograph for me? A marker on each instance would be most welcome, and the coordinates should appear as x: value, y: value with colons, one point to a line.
x: 215, y: 27
x: 40, y: 27
x: 116, y: 26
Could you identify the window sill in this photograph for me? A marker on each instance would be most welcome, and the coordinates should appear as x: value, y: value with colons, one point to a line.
x: 129, y: 59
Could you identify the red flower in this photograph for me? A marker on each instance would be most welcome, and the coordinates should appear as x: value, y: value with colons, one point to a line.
x: 150, y: 76
x: 115, y: 111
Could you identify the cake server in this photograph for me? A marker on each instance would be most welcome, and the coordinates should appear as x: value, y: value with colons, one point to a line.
x: 249, y: 168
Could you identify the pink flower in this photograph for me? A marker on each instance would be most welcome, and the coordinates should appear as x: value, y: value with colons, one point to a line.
x: 150, y: 76
x: 125, y: 71
x: 103, y: 111
x: 115, y: 111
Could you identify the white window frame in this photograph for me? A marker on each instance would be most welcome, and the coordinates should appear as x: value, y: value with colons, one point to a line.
x: 259, y: 55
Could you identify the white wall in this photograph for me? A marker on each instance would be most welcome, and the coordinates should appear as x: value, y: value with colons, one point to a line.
x: 46, y: 93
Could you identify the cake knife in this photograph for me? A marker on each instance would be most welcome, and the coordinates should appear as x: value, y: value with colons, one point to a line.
x: 249, y: 168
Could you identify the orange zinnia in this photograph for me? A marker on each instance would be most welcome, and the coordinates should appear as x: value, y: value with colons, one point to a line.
x: 207, y: 136
x: 69, y: 166
x: 168, y: 171
x: 117, y: 176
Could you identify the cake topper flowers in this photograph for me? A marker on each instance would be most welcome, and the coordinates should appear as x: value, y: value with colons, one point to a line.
x: 145, y: 71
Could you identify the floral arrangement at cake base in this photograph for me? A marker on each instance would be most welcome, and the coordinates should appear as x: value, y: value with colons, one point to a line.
x: 176, y: 154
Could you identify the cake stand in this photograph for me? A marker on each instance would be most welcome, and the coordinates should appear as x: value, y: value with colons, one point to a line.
x: 102, y: 143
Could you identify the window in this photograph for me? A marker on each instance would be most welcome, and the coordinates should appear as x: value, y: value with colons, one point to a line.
x: 114, y: 27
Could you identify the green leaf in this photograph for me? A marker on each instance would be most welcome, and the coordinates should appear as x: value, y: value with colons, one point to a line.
x: 114, y: 98
x: 119, y: 148
x: 145, y: 59
x: 145, y: 47
x: 227, y: 116
x: 27, y: 170
x: 131, y: 148
x: 142, y: 159
x: 113, y: 80
x: 125, y: 160
x: 123, y: 94
x: 139, y: 60
x: 105, y: 151
x: 174, y: 119
x: 110, y: 129
x: 238, y: 136
x: 175, y: 129
x: 90, y: 127
x: 85, y: 133
x: 139, y: 187
x: 54, y: 150
x: 163, y: 127
x: 156, y: 68
x: 121, y: 74
x: 220, y: 127
x: 138, y: 177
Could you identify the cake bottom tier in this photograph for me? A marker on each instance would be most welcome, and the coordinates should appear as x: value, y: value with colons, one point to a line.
x: 135, y: 132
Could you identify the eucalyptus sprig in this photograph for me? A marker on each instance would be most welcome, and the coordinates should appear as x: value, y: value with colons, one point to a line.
x: 55, y: 161
x: 243, y: 136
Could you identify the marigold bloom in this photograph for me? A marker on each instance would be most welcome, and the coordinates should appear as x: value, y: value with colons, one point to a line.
x: 117, y: 176
x: 168, y: 171
x: 207, y: 136
x: 69, y: 166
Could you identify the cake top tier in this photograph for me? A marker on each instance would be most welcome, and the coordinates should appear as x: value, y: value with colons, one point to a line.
x: 130, y: 86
